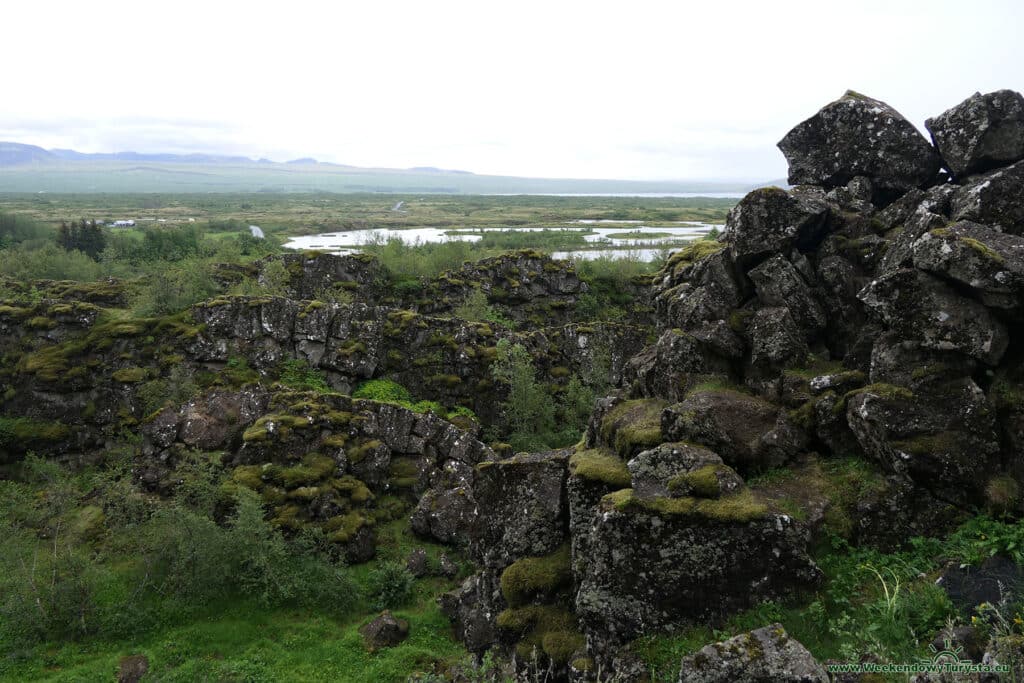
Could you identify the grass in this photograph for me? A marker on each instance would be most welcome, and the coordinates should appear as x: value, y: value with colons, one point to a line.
x: 242, y: 641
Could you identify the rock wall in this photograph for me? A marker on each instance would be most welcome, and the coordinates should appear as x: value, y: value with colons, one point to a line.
x: 870, y: 314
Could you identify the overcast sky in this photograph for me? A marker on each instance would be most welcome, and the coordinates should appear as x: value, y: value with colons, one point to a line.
x: 631, y: 89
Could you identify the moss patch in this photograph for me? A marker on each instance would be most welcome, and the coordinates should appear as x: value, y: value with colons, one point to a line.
x: 740, y: 507
x: 632, y: 426
x: 598, y: 464
x: 532, y: 577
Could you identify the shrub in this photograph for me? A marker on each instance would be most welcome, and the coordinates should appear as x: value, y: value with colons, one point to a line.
x: 170, y: 289
x: 297, y: 374
x: 384, y: 390
x: 390, y: 585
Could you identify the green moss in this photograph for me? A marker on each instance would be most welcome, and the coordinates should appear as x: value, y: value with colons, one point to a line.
x: 403, y: 473
x: 597, y: 464
x: 740, y: 507
x: 41, y: 322
x: 804, y: 416
x: 690, y: 254
x: 314, y: 467
x: 559, y: 371
x: 359, y: 452
x: 533, y: 577
x: 547, y: 629
x: 702, y: 482
x: 889, y: 392
x: 250, y: 476
x: 982, y: 249
x: 343, y: 528
x: 444, y: 380
x: 929, y: 444
x: 632, y: 426
x: 1002, y: 493
x: 132, y: 375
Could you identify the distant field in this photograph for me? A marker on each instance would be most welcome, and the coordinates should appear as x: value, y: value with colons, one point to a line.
x: 298, y: 214
x: 125, y: 176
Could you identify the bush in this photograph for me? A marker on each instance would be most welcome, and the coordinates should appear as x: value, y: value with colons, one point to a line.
x: 384, y: 390
x: 390, y: 585
x: 172, y: 289
x: 297, y: 374
x: 48, y: 262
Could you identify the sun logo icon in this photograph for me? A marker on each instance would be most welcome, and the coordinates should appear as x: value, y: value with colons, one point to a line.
x: 948, y: 654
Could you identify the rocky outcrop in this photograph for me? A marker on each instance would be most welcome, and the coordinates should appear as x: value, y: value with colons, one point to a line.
x: 765, y: 655
x: 524, y: 286
x: 859, y: 136
x: 322, y: 460
x: 980, y: 133
x: 316, y: 275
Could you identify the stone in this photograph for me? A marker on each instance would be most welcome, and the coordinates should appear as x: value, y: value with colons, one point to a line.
x: 993, y: 198
x: 859, y: 136
x: 770, y: 221
x: 945, y: 444
x: 990, y: 582
x: 521, y: 508
x: 417, y: 563
x: 384, y: 631
x: 776, y: 339
x: 658, y: 564
x: 920, y: 307
x: 132, y: 669
x: 656, y: 472
x: 765, y: 655
x: 473, y: 609
x: 446, y: 567
x: 981, y: 133
x: 779, y: 283
x: 986, y: 260
x: 749, y: 433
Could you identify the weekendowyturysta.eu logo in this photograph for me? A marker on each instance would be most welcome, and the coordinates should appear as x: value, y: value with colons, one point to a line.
x: 945, y: 661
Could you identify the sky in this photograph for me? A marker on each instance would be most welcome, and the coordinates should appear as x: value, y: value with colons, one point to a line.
x: 625, y: 90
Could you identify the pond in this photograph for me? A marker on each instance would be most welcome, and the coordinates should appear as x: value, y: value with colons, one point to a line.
x: 614, y: 234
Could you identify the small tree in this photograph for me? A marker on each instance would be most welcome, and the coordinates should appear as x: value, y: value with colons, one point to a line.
x: 529, y: 409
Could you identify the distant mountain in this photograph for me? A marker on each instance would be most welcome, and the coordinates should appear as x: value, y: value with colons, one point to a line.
x: 72, y: 155
x: 27, y: 168
x: 434, y: 169
x: 16, y: 154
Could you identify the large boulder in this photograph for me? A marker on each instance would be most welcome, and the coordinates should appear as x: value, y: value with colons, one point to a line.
x: 748, y: 432
x: 385, y: 630
x: 920, y: 307
x: 859, y: 136
x: 765, y: 655
x: 993, y: 198
x: 944, y: 441
x: 521, y: 507
x: 986, y: 260
x: 473, y: 610
x: 654, y: 564
x: 779, y: 283
x: 981, y: 133
x: 771, y: 221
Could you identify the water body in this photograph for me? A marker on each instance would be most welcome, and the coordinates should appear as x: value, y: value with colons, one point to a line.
x: 710, y: 195
x: 599, y: 234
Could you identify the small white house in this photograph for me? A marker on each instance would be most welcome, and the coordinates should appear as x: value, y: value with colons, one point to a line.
x: 124, y: 224
x: 256, y: 231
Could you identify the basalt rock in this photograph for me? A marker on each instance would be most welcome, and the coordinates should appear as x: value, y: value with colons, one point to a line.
x: 324, y: 276
x: 859, y: 136
x: 770, y: 221
x: 993, y: 198
x: 765, y: 655
x: 981, y: 133
x: 748, y: 432
x: 985, y: 259
x: 522, y: 509
x: 920, y: 307
x: 661, y: 563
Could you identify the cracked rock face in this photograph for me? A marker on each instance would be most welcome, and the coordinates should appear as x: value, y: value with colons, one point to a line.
x: 859, y: 136
x: 981, y: 133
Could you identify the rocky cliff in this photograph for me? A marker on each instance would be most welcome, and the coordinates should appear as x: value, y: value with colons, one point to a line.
x: 869, y: 314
